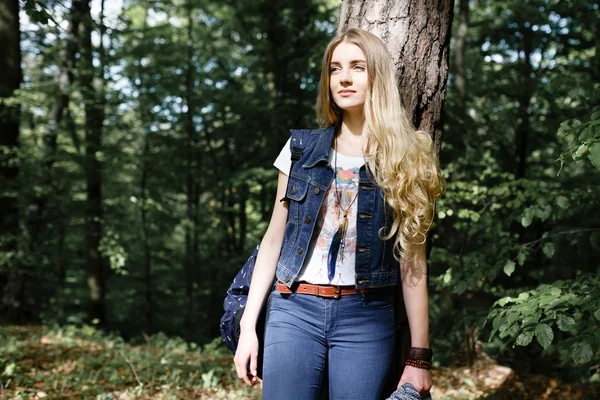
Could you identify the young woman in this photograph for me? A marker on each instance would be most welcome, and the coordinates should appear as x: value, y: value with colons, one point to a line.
x: 360, y: 203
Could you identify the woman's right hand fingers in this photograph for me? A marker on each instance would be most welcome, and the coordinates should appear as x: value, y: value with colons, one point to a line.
x: 253, y: 362
x: 247, y: 351
x: 241, y: 362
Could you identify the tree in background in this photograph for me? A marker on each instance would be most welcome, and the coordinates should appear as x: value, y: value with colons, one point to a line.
x: 11, y: 276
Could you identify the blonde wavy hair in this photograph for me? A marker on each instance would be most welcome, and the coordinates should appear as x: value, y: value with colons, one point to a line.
x: 401, y: 158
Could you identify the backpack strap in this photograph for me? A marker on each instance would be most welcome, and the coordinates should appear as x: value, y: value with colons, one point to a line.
x: 297, y: 145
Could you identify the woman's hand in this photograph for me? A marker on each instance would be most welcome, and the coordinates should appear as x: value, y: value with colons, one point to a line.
x: 247, y: 350
x: 418, y: 377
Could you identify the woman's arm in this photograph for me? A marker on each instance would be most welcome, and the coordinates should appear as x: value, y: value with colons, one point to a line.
x: 262, y: 280
x: 414, y: 291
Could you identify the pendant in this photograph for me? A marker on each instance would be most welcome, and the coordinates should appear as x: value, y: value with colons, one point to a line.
x: 343, y: 235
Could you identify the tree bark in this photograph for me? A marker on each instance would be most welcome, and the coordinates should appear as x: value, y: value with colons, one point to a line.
x: 417, y: 35
x: 94, y: 117
x: 11, y: 278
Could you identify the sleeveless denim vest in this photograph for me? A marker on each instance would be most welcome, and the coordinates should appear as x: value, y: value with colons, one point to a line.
x: 308, y: 182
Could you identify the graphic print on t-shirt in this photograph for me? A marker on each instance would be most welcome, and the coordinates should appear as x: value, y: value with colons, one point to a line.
x: 331, y: 216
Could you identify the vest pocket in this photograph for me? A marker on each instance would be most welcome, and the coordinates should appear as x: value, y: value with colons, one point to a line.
x: 296, y: 189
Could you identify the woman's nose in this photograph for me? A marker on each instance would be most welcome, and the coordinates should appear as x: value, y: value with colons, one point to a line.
x: 346, y: 76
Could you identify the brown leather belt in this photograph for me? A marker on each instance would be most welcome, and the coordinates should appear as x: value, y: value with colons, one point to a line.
x: 329, y: 291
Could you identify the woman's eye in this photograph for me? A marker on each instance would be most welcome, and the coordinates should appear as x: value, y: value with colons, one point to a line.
x: 360, y: 68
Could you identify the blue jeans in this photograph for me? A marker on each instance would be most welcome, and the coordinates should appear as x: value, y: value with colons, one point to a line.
x: 353, y: 337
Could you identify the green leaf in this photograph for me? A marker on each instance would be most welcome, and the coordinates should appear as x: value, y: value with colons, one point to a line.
x: 523, y: 296
x: 509, y: 268
x: 533, y: 318
x: 583, y: 149
x: 460, y: 287
x: 513, y: 316
x: 594, y: 155
x: 562, y: 201
x: 503, y: 301
x: 549, y: 249
x: 524, y: 338
x: 522, y: 256
x: 582, y: 352
x: 597, y: 314
x: 498, y: 321
x: 565, y: 323
x: 555, y: 291
x: 527, y: 218
x: 544, y: 335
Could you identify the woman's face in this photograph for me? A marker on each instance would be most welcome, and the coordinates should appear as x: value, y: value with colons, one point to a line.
x: 348, y: 79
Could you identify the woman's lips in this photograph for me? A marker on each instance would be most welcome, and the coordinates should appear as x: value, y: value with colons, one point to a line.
x: 347, y: 93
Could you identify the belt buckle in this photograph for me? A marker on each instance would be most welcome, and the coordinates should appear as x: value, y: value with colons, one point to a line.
x: 337, y: 292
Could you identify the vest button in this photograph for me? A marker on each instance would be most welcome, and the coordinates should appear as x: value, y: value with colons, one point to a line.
x: 316, y: 191
x: 300, y: 250
x: 287, y: 278
x: 307, y: 219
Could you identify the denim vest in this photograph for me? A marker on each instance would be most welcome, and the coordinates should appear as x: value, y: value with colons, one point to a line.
x: 308, y: 182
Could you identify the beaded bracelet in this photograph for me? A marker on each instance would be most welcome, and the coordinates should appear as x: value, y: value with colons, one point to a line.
x: 417, y: 363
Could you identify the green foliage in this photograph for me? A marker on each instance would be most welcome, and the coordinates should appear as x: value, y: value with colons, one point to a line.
x: 583, y: 139
x: 566, y: 310
x: 67, y: 360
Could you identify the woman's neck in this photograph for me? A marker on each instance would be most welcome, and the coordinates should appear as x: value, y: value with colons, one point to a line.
x: 352, y: 125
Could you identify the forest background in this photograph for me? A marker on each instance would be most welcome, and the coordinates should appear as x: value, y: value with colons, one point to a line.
x: 137, y: 141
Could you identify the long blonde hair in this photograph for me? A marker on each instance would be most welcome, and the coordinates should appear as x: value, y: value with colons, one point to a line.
x: 401, y: 158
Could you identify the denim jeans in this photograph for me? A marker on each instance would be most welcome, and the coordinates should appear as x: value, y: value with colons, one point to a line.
x: 353, y: 337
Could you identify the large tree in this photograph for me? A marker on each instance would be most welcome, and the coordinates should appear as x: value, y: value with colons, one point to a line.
x: 11, y: 281
x: 94, y: 99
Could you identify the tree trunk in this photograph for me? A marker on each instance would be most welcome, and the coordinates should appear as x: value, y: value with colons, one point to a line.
x: 11, y: 278
x: 64, y: 80
x: 190, y: 257
x: 460, y: 86
x: 94, y: 117
x: 460, y: 79
x: 243, y: 198
x: 417, y: 35
x: 144, y: 117
x: 524, y: 97
x: 54, y: 217
x: 275, y: 67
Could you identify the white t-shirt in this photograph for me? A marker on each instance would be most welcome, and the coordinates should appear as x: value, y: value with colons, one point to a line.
x: 329, y: 219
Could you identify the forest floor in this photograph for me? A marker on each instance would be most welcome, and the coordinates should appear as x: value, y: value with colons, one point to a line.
x: 37, y: 362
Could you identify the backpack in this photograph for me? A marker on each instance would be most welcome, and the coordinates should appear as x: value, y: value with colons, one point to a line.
x: 237, y: 294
